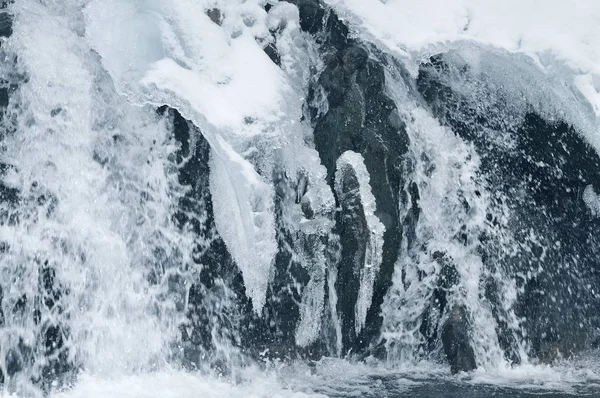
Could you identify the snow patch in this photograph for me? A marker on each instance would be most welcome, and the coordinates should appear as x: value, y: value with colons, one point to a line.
x: 562, y: 37
x: 592, y: 200
x: 568, y: 29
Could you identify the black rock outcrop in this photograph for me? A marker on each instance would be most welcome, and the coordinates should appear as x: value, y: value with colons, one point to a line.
x: 541, y: 177
x: 456, y: 340
x: 362, y: 118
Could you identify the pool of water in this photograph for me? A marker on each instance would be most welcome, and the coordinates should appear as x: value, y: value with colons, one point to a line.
x: 337, y: 378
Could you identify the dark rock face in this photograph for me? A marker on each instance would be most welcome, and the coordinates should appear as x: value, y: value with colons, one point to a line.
x: 456, y: 341
x: 5, y: 31
x: 541, y: 178
x: 5, y: 24
x: 354, y: 235
x: 360, y: 117
x: 215, y: 15
x: 321, y: 22
x: 271, y: 51
x: 438, y: 308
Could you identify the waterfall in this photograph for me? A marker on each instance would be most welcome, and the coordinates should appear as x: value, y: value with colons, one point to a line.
x: 231, y: 194
x: 89, y: 241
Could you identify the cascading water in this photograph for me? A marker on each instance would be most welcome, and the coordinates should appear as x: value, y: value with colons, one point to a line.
x: 221, y: 196
x: 90, y: 224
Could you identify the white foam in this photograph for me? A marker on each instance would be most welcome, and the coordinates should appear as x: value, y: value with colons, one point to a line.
x: 105, y: 164
x: 339, y: 377
x: 174, y: 384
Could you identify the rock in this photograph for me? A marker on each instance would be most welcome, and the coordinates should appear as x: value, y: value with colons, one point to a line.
x: 5, y: 24
x: 437, y: 308
x: 354, y: 235
x: 360, y: 118
x: 271, y: 51
x: 13, y: 362
x: 456, y: 341
x: 215, y: 15
x: 540, y: 182
x: 322, y: 22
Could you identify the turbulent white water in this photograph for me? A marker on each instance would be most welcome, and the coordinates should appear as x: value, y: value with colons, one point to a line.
x: 90, y: 145
x: 95, y: 168
x: 101, y: 166
x: 447, y: 177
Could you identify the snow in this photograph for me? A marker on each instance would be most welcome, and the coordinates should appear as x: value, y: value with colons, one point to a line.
x: 219, y: 77
x: 226, y: 106
x: 592, y: 200
x: 374, y: 250
x: 562, y: 37
x: 567, y: 29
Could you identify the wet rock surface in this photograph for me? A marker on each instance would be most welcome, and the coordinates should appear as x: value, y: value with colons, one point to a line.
x: 359, y: 117
x: 456, y: 340
x: 354, y: 234
x: 541, y: 178
x: 5, y: 24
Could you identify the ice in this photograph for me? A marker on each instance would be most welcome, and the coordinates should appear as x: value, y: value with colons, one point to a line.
x: 374, y: 248
x: 219, y: 77
x: 244, y: 217
x: 311, y: 236
x: 561, y: 37
x: 295, y: 50
x: 213, y: 69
